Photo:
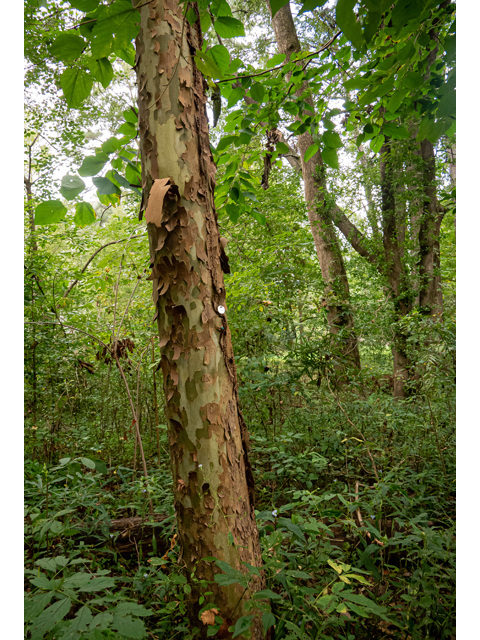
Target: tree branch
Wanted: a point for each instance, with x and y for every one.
(74, 282)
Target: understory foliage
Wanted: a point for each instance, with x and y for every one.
(355, 490)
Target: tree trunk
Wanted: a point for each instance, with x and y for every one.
(431, 301)
(337, 292)
(213, 482)
(395, 271)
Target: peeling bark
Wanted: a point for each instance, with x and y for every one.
(337, 294)
(213, 481)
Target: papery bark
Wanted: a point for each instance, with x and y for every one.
(213, 481)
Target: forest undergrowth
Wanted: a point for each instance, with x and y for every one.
(355, 503)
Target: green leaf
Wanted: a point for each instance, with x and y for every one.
(49, 618)
(85, 215)
(50, 212)
(47, 563)
(330, 157)
(396, 132)
(363, 601)
(87, 462)
(259, 217)
(205, 20)
(125, 608)
(76, 85)
(81, 621)
(127, 54)
(268, 620)
(207, 65)
(276, 60)
(257, 91)
(34, 605)
(71, 187)
(98, 584)
(119, 19)
(404, 11)
(227, 27)
(332, 139)
(102, 71)
(111, 145)
(276, 5)
(447, 105)
(294, 528)
(267, 593)
(310, 152)
(129, 627)
(377, 143)
(236, 95)
(310, 5)
(346, 20)
(282, 148)
(105, 186)
(233, 212)
(225, 142)
(84, 5)
(242, 625)
(77, 580)
(396, 100)
(67, 46)
(220, 8)
(221, 57)
(92, 165)
(127, 129)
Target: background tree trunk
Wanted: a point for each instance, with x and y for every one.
(213, 481)
(339, 313)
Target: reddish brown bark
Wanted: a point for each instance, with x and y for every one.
(213, 482)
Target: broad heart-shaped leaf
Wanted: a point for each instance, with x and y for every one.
(92, 165)
(220, 8)
(85, 214)
(310, 5)
(49, 618)
(276, 5)
(84, 5)
(207, 65)
(282, 148)
(236, 95)
(119, 19)
(67, 46)
(76, 85)
(50, 212)
(227, 27)
(330, 157)
(257, 91)
(128, 627)
(71, 187)
(242, 625)
(220, 56)
(310, 152)
(102, 71)
(404, 11)
(268, 620)
(233, 212)
(105, 186)
(346, 20)
(332, 139)
(126, 53)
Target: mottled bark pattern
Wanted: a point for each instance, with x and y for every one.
(339, 314)
(212, 476)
